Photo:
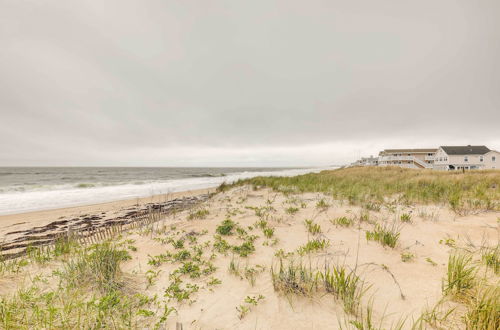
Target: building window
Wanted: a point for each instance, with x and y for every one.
(480, 158)
(493, 158)
(466, 159)
(446, 159)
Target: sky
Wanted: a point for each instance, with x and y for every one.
(244, 83)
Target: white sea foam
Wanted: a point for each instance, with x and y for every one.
(18, 202)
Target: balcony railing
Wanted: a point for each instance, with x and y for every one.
(412, 159)
(392, 158)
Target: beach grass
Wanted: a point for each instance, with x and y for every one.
(463, 192)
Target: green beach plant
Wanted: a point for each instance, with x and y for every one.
(387, 234)
(460, 274)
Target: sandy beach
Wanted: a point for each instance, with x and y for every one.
(213, 274)
(19, 231)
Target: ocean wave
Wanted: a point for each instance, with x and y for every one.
(66, 195)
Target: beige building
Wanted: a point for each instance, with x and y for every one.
(466, 158)
(409, 158)
(366, 161)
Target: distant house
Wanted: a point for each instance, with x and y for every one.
(409, 158)
(469, 157)
(366, 161)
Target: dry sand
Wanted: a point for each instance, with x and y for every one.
(399, 290)
(23, 221)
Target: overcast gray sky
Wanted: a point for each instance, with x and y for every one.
(206, 83)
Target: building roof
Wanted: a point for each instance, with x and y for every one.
(409, 150)
(465, 150)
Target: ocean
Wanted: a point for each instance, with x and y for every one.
(24, 189)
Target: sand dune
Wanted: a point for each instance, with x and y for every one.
(219, 289)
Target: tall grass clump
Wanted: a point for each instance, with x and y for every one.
(294, 278)
(345, 285)
(91, 295)
(460, 275)
(387, 235)
(483, 309)
(98, 268)
(491, 257)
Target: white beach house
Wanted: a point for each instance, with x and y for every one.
(409, 158)
(466, 158)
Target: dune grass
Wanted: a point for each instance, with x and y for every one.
(386, 234)
(460, 275)
(483, 310)
(342, 221)
(361, 185)
(491, 257)
(292, 277)
(91, 294)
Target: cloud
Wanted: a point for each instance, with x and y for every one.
(234, 82)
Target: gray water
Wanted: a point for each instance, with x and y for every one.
(37, 188)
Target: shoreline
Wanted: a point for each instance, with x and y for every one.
(39, 225)
(18, 202)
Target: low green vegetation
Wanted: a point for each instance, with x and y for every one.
(407, 257)
(291, 210)
(312, 227)
(342, 221)
(432, 262)
(250, 301)
(491, 257)
(198, 214)
(322, 204)
(226, 227)
(405, 217)
(387, 234)
(313, 246)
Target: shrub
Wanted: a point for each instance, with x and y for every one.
(226, 227)
(221, 245)
(245, 249)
